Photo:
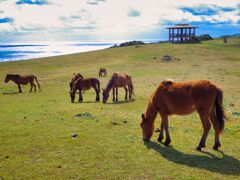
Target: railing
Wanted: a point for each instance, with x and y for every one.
(182, 35)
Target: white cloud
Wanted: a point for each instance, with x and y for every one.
(96, 19)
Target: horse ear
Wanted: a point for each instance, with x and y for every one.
(143, 117)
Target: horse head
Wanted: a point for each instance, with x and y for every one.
(105, 95)
(7, 78)
(147, 128)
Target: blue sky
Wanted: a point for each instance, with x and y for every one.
(76, 20)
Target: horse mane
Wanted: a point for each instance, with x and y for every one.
(75, 84)
(111, 81)
(13, 75)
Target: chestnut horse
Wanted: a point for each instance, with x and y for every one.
(85, 84)
(118, 80)
(102, 72)
(181, 99)
(23, 80)
(75, 77)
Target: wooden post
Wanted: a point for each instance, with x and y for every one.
(190, 36)
(181, 38)
(177, 35)
(169, 34)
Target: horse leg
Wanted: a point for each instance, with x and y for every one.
(97, 93)
(165, 126)
(80, 96)
(130, 92)
(116, 94)
(19, 88)
(206, 127)
(126, 90)
(161, 136)
(31, 87)
(215, 126)
(34, 86)
(113, 89)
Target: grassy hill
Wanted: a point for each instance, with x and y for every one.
(36, 128)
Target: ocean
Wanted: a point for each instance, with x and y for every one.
(25, 51)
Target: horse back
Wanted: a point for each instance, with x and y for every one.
(184, 97)
(88, 83)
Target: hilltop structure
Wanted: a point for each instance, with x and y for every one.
(182, 33)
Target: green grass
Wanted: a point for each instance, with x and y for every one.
(36, 128)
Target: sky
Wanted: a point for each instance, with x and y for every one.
(101, 20)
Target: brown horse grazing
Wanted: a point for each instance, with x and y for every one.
(181, 99)
(118, 80)
(75, 77)
(85, 84)
(102, 72)
(23, 80)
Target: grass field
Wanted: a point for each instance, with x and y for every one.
(36, 128)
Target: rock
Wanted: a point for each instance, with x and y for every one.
(125, 121)
(74, 135)
(7, 157)
(114, 123)
(231, 104)
(168, 58)
(85, 115)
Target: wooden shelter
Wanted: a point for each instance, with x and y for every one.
(182, 33)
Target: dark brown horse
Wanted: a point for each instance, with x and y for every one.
(181, 99)
(118, 80)
(22, 80)
(75, 77)
(85, 84)
(102, 72)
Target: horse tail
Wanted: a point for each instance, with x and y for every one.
(219, 110)
(131, 85)
(37, 83)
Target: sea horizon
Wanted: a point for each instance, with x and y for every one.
(17, 51)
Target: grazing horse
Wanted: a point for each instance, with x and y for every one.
(102, 72)
(118, 80)
(85, 84)
(181, 99)
(23, 80)
(75, 77)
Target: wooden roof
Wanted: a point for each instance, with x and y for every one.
(181, 26)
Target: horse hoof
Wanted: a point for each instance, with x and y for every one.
(215, 147)
(199, 148)
(160, 139)
(166, 143)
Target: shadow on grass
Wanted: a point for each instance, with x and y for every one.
(120, 102)
(87, 102)
(225, 165)
(9, 93)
